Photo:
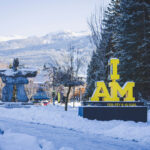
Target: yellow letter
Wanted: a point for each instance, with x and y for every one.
(127, 91)
(113, 69)
(58, 96)
(100, 91)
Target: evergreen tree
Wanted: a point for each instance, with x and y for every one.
(132, 42)
(125, 35)
(109, 31)
(91, 76)
(102, 37)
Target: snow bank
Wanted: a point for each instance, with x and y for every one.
(19, 141)
(56, 116)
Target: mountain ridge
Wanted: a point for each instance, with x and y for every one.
(36, 51)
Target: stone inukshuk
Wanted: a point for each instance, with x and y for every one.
(14, 80)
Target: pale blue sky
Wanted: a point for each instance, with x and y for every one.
(39, 17)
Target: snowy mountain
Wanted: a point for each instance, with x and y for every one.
(37, 51)
(13, 37)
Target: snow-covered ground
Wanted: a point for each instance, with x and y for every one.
(51, 128)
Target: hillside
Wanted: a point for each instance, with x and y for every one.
(37, 51)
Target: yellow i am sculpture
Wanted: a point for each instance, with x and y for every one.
(116, 91)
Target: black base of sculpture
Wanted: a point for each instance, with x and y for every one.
(105, 111)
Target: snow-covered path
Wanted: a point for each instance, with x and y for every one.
(67, 139)
(52, 128)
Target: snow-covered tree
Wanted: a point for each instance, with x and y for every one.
(102, 30)
(67, 74)
(68, 78)
(132, 42)
(109, 32)
(124, 33)
(91, 75)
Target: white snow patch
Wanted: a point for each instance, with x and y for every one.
(56, 116)
(19, 141)
(66, 148)
(14, 37)
(9, 72)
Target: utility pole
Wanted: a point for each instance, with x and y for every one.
(53, 92)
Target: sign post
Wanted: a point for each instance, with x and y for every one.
(111, 107)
